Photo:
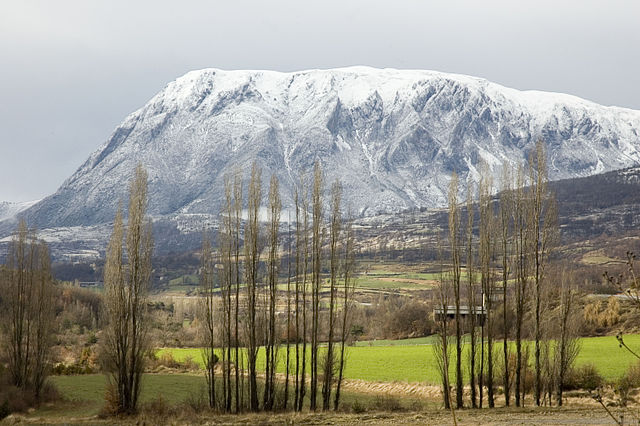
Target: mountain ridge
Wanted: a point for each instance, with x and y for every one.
(392, 136)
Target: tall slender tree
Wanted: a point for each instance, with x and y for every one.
(471, 298)
(441, 348)
(237, 222)
(228, 275)
(126, 294)
(567, 344)
(541, 221)
(347, 303)
(505, 224)
(298, 269)
(316, 280)
(207, 286)
(521, 242)
(252, 257)
(288, 332)
(454, 247)
(303, 239)
(275, 207)
(334, 261)
(486, 250)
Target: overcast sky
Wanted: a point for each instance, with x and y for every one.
(70, 71)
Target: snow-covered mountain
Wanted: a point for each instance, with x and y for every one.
(392, 137)
(9, 210)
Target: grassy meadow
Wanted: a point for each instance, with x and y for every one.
(413, 361)
(84, 394)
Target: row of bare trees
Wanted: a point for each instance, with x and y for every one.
(276, 301)
(509, 255)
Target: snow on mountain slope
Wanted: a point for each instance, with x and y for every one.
(393, 137)
(8, 209)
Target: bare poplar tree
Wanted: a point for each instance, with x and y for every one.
(471, 298)
(252, 257)
(298, 386)
(568, 343)
(275, 207)
(303, 240)
(505, 224)
(26, 310)
(126, 293)
(521, 243)
(486, 249)
(542, 226)
(237, 222)
(288, 332)
(441, 348)
(208, 317)
(316, 281)
(347, 302)
(43, 318)
(334, 261)
(226, 285)
(454, 247)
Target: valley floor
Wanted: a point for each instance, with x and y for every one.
(170, 398)
(572, 415)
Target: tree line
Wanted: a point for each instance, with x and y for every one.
(250, 312)
(509, 283)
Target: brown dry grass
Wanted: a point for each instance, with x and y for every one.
(573, 415)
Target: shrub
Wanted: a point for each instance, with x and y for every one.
(158, 407)
(111, 401)
(629, 381)
(357, 407)
(197, 401)
(585, 377)
(412, 319)
(189, 363)
(61, 369)
(167, 360)
(15, 400)
(387, 403)
(633, 375)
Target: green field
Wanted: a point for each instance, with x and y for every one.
(409, 360)
(83, 395)
(412, 360)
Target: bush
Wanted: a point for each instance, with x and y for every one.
(158, 408)
(357, 407)
(61, 369)
(387, 403)
(15, 400)
(166, 360)
(632, 376)
(412, 319)
(585, 377)
(629, 381)
(111, 401)
(197, 402)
